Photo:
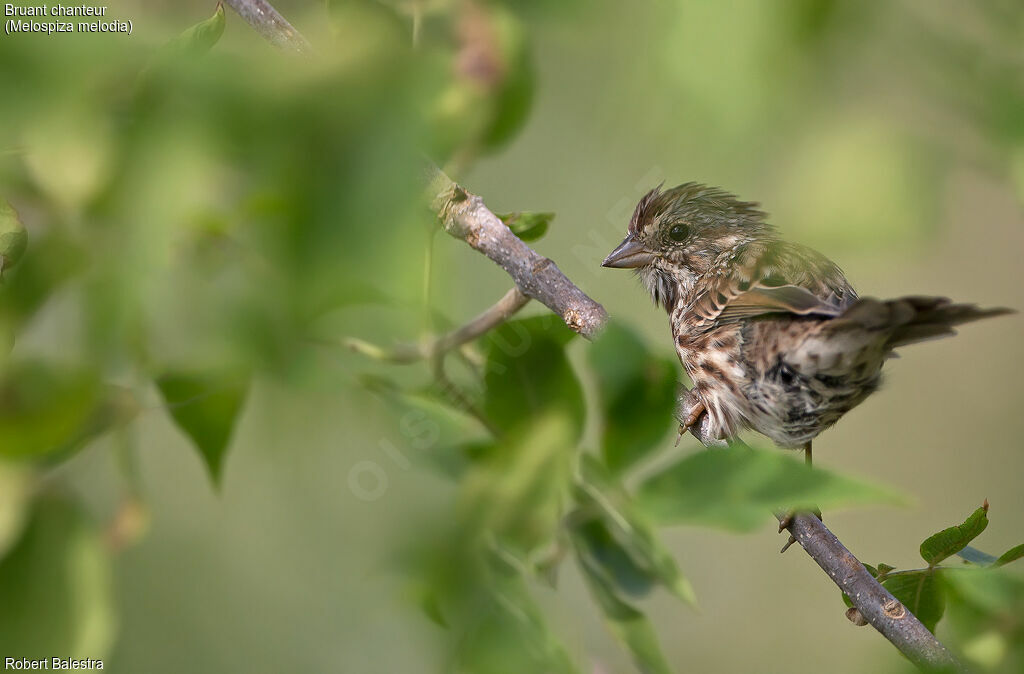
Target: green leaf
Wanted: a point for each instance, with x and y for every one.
(938, 547)
(17, 483)
(628, 533)
(52, 261)
(114, 407)
(508, 633)
(737, 488)
(205, 407)
(430, 604)
(201, 37)
(975, 556)
(606, 556)
(514, 495)
(465, 584)
(13, 237)
(528, 375)
(44, 408)
(637, 391)
(442, 434)
(628, 624)
(1011, 555)
(637, 633)
(57, 575)
(527, 225)
(922, 594)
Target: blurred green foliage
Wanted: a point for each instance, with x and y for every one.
(534, 495)
(984, 601)
(528, 375)
(56, 586)
(13, 237)
(195, 213)
(637, 388)
(733, 489)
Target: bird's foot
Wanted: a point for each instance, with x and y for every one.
(691, 417)
(689, 408)
(786, 521)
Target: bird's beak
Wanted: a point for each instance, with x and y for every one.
(629, 255)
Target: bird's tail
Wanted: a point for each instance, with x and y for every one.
(915, 319)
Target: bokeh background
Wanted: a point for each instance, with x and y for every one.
(890, 136)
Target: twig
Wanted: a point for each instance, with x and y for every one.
(465, 216)
(510, 303)
(274, 28)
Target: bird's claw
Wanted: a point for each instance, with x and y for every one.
(784, 524)
(690, 410)
(786, 521)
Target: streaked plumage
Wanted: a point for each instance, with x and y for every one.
(772, 335)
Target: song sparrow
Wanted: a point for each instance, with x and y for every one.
(771, 333)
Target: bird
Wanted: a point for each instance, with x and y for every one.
(773, 336)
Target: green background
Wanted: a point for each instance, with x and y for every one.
(889, 136)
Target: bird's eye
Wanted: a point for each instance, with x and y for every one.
(679, 232)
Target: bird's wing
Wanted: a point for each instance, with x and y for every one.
(772, 278)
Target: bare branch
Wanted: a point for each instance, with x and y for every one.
(465, 216)
(876, 604)
(274, 28)
(499, 312)
(510, 303)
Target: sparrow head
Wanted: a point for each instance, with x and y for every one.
(675, 236)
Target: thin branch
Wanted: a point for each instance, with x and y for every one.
(499, 312)
(876, 604)
(510, 303)
(274, 28)
(465, 217)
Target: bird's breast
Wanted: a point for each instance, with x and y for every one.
(712, 359)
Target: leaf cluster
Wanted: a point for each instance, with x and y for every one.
(984, 602)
